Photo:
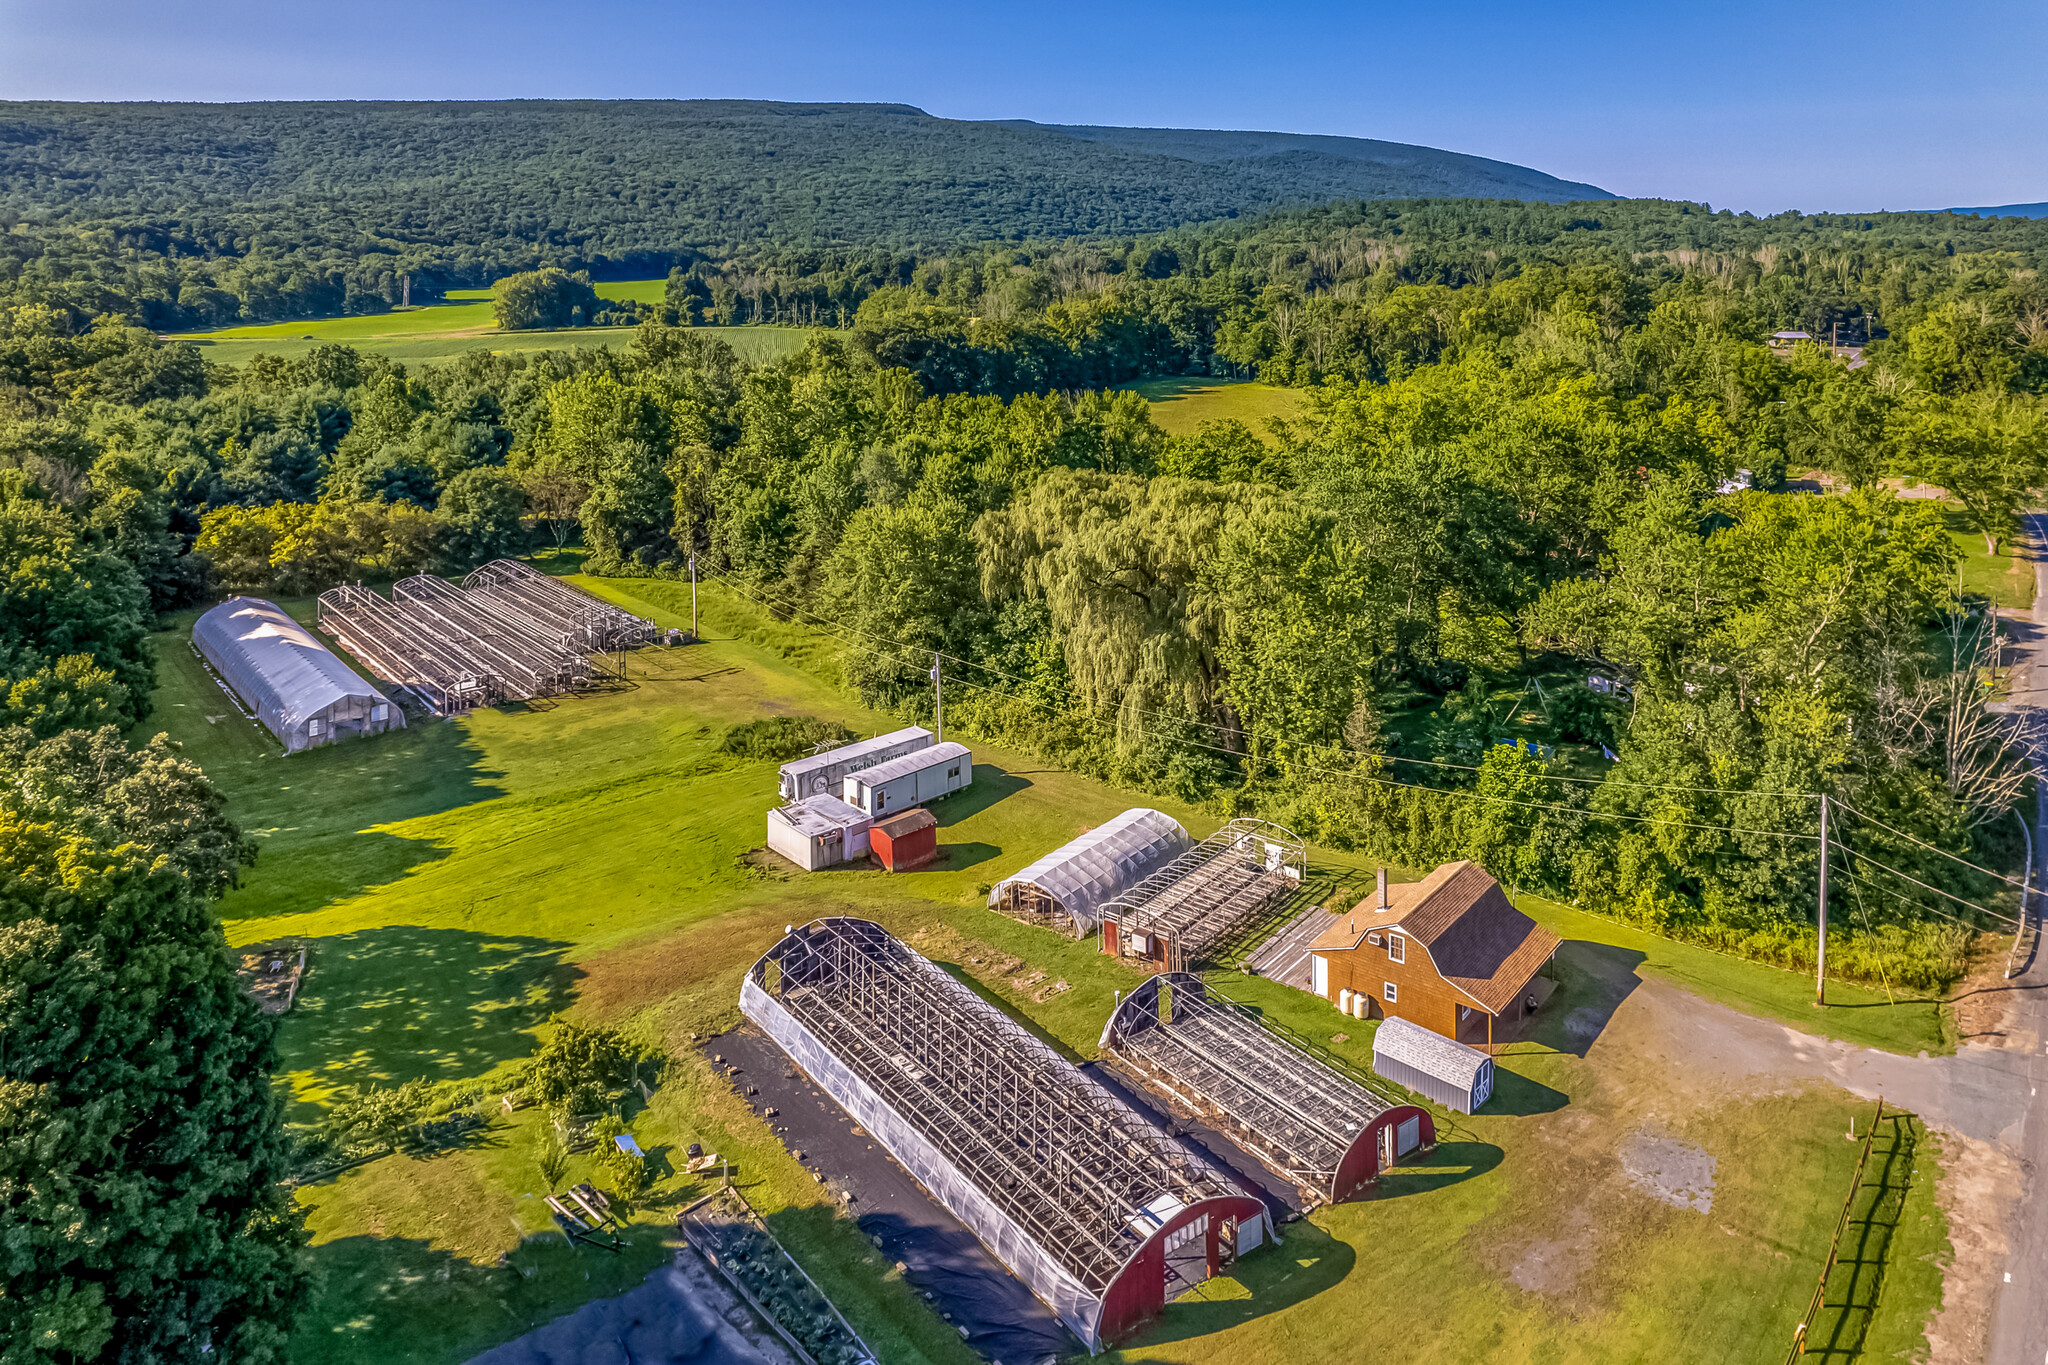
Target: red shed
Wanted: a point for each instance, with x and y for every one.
(906, 840)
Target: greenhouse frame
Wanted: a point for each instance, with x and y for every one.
(1297, 1107)
(1065, 889)
(1207, 898)
(299, 689)
(1101, 1213)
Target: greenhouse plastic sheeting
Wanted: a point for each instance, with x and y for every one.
(1106, 861)
(299, 688)
(1069, 1300)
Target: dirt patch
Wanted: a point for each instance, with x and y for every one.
(1985, 1003)
(1979, 1194)
(272, 973)
(1665, 1168)
(1554, 1266)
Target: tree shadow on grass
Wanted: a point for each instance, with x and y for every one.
(317, 814)
(379, 1299)
(388, 1005)
(991, 784)
(1271, 1278)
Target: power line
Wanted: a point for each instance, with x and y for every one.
(1935, 910)
(772, 602)
(1459, 793)
(1858, 853)
(1995, 876)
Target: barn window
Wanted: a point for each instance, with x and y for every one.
(1397, 949)
(1391, 991)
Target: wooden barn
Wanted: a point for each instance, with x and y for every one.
(1449, 952)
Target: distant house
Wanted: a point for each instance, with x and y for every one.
(1783, 342)
(1450, 953)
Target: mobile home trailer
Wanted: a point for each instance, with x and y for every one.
(822, 774)
(911, 780)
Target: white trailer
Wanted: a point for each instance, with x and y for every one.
(818, 831)
(822, 774)
(910, 780)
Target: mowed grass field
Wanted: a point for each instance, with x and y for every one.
(1181, 405)
(464, 322)
(463, 881)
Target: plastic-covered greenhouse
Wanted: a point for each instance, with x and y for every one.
(299, 688)
(1066, 888)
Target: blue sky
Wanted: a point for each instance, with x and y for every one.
(1747, 106)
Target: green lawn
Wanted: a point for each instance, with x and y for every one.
(462, 881)
(464, 322)
(2006, 578)
(1180, 406)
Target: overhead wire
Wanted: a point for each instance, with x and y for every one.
(772, 602)
(1840, 804)
(1458, 793)
(1982, 910)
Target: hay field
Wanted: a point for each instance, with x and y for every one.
(1181, 405)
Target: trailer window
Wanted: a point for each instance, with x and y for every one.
(953, 771)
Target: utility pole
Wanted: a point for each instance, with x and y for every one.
(693, 599)
(939, 699)
(1820, 974)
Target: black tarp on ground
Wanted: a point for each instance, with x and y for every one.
(682, 1314)
(1003, 1320)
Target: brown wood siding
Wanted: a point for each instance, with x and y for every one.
(1425, 998)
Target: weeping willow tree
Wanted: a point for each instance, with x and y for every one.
(1118, 562)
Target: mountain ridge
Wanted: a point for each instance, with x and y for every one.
(662, 174)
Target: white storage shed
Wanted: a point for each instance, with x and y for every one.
(818, 831)
(1454, 1075)
(823, 774)
(911, 780)
(297, 687)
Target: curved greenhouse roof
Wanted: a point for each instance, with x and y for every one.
(299, 688)
(1080, 875)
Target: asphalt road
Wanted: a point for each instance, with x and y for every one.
(2019, 1318)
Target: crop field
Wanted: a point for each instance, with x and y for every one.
(1180, 406)
(464, 322)
(462, 882)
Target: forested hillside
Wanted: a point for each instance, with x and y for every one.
(311, 208)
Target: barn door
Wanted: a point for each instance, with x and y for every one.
(1321, 976)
